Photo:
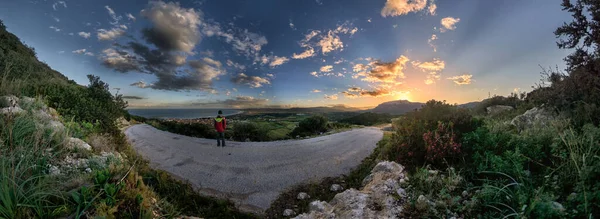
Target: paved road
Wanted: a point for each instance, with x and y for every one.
(252, 174)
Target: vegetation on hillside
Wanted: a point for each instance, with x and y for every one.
(33, 144)
(368, 119)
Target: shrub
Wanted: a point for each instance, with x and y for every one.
(442, 145)
(368, 119)
(310, 126)
(409, 146)
(247, 130)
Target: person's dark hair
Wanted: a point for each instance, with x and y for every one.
(220, 112)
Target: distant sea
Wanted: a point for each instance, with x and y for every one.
(180, 113)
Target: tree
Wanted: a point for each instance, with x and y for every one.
(583, 34)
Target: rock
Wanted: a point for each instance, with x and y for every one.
(434, 172)
(53, 170)
(497, 109)
(247, 140)
(422, 202)
(297, 136)
(377, 199)
(11, 110)
(73, 143)
(123, 122)
(318, 206)
(335, 187)
(465, 194)
(43, 115)
(56, 126)
(88, 170)
(288, 213)
(558, 207)
(302, 196)
(9, 101)
(534, 116)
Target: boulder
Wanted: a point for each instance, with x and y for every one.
(11, 110)
(302, 196)
(288, 213)
(9, 101)
(534, 116)
(377, 199)
(76, 143)
(497, 109)
(335, 187)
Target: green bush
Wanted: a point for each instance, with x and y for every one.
(310, 126)
(368, 119)
(409, 146)
(248, 130)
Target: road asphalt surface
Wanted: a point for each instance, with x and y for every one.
(252, 174)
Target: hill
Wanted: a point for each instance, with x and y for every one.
(397, 107)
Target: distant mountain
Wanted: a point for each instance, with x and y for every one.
(397, 107)
(469, 105)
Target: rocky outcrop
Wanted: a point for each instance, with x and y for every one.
(382, 196)
(76, 143)
(497, 109)
(533, 117)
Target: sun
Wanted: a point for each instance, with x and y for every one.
(402, 95)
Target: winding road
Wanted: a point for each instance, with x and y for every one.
(252, 174)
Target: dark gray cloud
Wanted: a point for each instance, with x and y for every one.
(252, 81)
(133, 97)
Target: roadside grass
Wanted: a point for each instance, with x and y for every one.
(321, 190)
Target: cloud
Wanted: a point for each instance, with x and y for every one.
(331, 97)
(235, 65)
(61, 52)
(56, 19)
(272, 60)
(339, 61)
(431, 42)
(84, 52)
(270, 75)
(120, 60)
(111, 34)
(435, 65)
(252, 81)
(449, 23)
(133, 97)
(55, 28)
(330, 42)
(140, 84)
(292, 25)
(433, 68)
(432, 7)
(385, 72)
(401, 7)
(310, 52)
(327, 68)
(432, 77)
(354, 92)
(85, 34)
(315, 91)
(243, 42)
(462, 79)
(314, 73)
(174, 28)
(56, 4)
(130, 16)
(113, 15)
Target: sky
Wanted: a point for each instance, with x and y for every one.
(273, 53)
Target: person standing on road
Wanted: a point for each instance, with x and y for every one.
(220, 125)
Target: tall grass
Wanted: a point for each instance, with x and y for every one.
(26, 191)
